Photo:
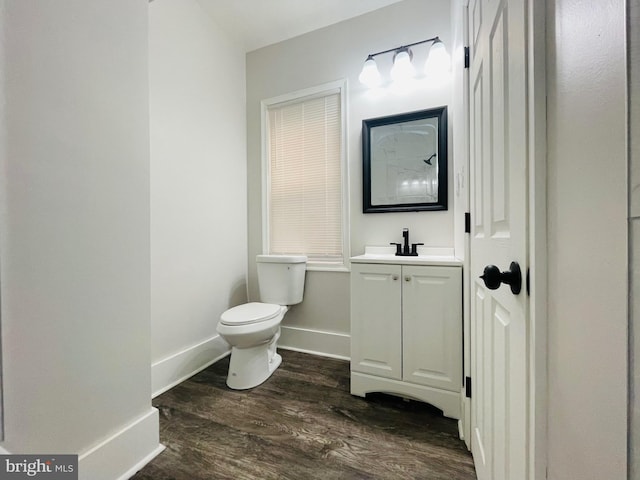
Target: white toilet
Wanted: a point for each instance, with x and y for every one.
(253, 329)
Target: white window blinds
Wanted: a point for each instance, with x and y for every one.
(305, 178)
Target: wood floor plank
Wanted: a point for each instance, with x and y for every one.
(301, 424)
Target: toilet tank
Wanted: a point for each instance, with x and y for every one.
(281, 278)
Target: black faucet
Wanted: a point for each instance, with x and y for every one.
(405, 236)
(406, 252)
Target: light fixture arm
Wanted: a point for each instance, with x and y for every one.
(404, 47)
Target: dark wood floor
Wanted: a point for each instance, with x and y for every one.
(301, 424)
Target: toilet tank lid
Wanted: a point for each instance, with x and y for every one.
(281, 258)
(250, 313)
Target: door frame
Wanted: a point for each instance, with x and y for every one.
(537, 222)
(537, 92)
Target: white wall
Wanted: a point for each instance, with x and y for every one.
(587, 240)
(328, 54)
(75, 234)
(198, 186)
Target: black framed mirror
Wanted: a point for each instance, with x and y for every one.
(405, 162)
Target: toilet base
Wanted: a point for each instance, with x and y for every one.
(249, 367)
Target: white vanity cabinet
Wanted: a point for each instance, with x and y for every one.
(406, 332)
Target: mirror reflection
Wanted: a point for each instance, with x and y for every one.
(404, 167)
(405, 162)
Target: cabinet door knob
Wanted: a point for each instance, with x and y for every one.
(394, 277)
(407, 278)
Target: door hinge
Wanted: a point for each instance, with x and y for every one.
(467, 222)
(467, 386)
(466, 57)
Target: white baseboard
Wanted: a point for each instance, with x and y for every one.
(316, 342)
(138, 466)
(124, 453)
(176, 368)
(170, 371)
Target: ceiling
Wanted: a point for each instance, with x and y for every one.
(258, 23)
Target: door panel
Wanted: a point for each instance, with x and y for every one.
(477, 146)
(500, 320)
(498, 162)
(499, 167)
(376, 324)
(482, 399)
(475, 20)
(432, 326)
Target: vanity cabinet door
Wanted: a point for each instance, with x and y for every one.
(376, 324)
(432, 326)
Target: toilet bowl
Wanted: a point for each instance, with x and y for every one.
(253, 329)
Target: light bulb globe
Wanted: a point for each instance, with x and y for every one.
(402, 68)
(370, 76)
(439, 61)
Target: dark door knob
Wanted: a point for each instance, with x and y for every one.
(493, 277)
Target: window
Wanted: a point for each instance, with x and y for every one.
(305, 176)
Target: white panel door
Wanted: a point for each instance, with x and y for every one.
(432, 326)
(376, 322)
(498, 144)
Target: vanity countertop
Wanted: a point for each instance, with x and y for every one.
(426, 256)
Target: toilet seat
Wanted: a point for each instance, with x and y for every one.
(249, 313)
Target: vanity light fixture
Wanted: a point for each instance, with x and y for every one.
(438, 61)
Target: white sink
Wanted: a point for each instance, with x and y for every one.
(426, 256)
